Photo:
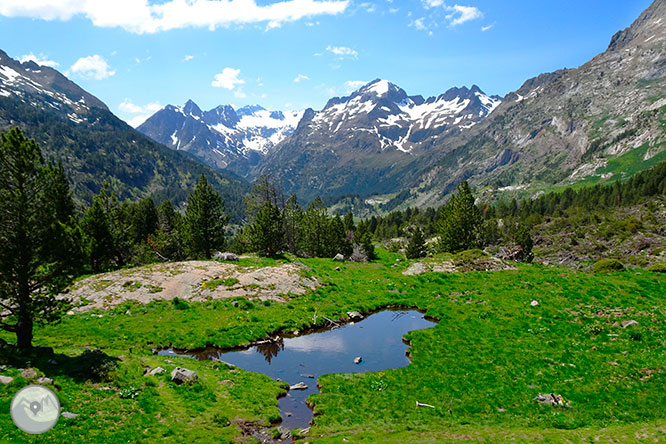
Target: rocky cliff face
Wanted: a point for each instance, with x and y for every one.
(598, 122)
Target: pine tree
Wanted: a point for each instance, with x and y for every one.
(416, 247)
(167, 241)
(143, 220)
(459, 221)
(348, 222)
(32, 272)
(265, 235)
(293, 220)
(204, 221)
(337, 242)
(523, 239)
(98, 240)
(315, 226)
(363, 239)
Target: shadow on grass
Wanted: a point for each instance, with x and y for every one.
(91, 365)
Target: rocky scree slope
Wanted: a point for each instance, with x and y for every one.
(600, 122)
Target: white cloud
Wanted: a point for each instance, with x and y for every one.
(227, 79)
(418, 24)
(40, 60)
(91, 67)
(150, 16)
(142, 112)
(369, 7)
(432, 3)
(301, 77)
(239, 93)
(187, 58)
(342, 51)
(462, 14)
(487, 28)
(353, 85)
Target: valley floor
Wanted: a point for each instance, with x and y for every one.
(491, 353)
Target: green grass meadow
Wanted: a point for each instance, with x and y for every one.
(491, 353)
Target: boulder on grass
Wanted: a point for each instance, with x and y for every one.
(156, 371)
(339, 258)
(225, 257)
(181, 375)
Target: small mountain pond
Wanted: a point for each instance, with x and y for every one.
(377, 340)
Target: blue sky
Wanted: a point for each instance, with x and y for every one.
(138, 55)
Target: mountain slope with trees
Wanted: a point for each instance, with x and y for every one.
(95, 147)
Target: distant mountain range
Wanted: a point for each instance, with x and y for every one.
(222, 137)
(378, 148)
(596, 123)
(77, 129)
(379, 118)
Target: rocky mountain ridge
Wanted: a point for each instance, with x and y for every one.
(222, 137)
(374, 140)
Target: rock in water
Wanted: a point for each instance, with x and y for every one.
(357, 360)
(180, 375)
(299, 386)
(354, 315)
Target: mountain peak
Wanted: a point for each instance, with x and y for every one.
(192, 108)
(379, 87)
(249, 110)
(650, 26)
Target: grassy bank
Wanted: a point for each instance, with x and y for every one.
(480, 367)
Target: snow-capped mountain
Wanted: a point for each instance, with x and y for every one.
(223, 137)
(44, 87)
(399, 121)
(375, 140)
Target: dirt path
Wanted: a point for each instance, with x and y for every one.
(191, 281)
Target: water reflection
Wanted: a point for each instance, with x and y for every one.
(270, 349)
(377, 339)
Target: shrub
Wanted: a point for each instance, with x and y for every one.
(659, 267)
(607, 266)
(95, 365)
(179, 304)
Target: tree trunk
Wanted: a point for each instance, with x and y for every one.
(24, 333)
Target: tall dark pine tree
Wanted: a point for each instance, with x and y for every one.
(416, 247)
(315, 229)
(459, 221)
(293, 220)
(203, 224)
(265, 235)
(98, 238)
(266, 232)
(32, 271)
